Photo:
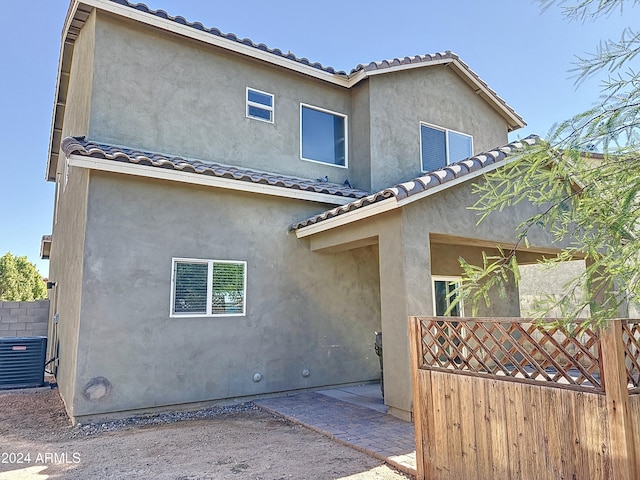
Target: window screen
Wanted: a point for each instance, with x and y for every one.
(434, 149)
(208, 287)
(190, 288)
(227, 291)
(441, 147)
(459, 146)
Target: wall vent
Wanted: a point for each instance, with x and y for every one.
(22, 362)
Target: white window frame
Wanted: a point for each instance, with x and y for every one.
(444, 278)
(261, 106)
(209, 305)
(446, 142)
(455, 279)
(346, 135)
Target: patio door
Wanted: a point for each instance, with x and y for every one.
(444, 296)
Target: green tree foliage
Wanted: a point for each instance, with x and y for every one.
(586, 180)
(20, 280)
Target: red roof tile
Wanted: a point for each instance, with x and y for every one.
(427, 181)
(81, 146)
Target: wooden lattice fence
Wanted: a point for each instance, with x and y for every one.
(508, 398)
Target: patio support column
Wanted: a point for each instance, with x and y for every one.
(393, 309)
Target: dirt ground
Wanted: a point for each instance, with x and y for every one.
(37, 441)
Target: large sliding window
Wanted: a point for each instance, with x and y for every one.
(323, 136)
(208, 288)
(440, 147)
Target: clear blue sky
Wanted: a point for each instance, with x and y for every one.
(522, 53)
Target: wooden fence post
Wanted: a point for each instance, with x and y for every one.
(614, 377)
(415, 345)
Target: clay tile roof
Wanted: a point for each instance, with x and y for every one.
(81, 146)
(434, 58)
(427, 181)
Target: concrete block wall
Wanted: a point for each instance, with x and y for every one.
(24, 319)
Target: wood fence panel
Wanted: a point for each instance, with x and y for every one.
(498, 428)
(552, 453)
(468, 416)
(566, 413)
(482, 415)
(583, 432)
(513, 427)
(502, 431)
(483, 427)
(439, 437)
(634, 406)
(614, 374)
(453, 420)
(537, 434)
(422, 403)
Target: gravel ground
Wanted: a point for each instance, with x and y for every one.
(160, 419)
(37, 441)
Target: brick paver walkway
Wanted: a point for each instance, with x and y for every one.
(378, 434)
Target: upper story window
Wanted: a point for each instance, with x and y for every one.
(208, 288)
(260, 105)
(323, 136)
(440, 147)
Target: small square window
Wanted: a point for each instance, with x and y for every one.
(208, 288)
(323, 136)
(440, 147)
(260, 105)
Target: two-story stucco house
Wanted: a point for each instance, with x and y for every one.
(233, 221)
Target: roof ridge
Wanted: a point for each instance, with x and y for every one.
(407, 60)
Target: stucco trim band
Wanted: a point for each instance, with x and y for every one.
(198, 179)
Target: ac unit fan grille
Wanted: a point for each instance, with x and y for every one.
(22, 362)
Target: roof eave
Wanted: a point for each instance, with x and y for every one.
(112, 166)
(76, 16)
(514, 121)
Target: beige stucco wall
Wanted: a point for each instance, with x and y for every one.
(144, 88)
(156, 91)
(436, 95)
(360, 164)
(185, 98)
(409, 257)
(67, 248)
(304, 310)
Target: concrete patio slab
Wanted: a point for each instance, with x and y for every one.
(351, 416)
